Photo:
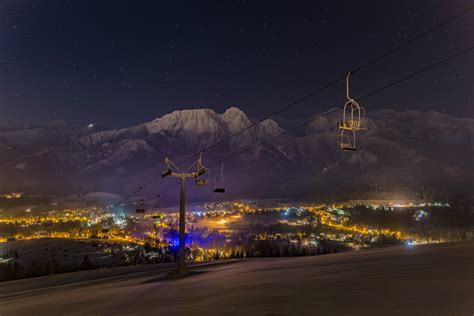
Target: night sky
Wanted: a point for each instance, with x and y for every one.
(118, 63)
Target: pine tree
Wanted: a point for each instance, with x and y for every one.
(293, 250)
(86, 263)
(277, 251)
(269, 250)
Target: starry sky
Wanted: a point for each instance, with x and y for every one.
(118, 63)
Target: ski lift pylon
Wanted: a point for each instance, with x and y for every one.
(218, 185)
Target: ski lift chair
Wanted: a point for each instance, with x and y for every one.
(202, 176)
(346, 142)
(157, 203)
(141, 207)
(353, 117)
(218, 185)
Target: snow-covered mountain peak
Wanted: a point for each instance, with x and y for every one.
(197, 121)
(206, 126)
(235, 119)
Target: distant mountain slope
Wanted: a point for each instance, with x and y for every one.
(411, 154)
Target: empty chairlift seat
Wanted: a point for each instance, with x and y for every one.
(218, 185)
(347, 142)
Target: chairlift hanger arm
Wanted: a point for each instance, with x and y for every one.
(347, 86)
(200, 168)
(171, 165)
(222, 169)
(194, 165)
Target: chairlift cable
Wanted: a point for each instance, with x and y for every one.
(335, 109)
(309, 95)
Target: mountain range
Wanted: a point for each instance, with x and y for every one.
(411, 154)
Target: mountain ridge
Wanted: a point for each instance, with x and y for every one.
(412, 151)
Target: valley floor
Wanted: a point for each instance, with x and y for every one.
(433, 279)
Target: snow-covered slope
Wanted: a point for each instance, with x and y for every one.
(431, 279)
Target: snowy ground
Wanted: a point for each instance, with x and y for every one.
(422, 280)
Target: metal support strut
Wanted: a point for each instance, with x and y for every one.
(182, 228)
